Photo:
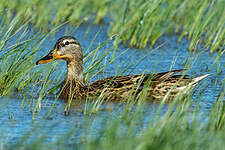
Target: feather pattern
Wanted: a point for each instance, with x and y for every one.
(121, 87)
(157, 85)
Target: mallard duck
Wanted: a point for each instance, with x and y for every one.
(116, 87)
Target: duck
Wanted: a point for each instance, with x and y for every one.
(115, 88)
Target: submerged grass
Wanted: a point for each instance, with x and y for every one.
(138, 23)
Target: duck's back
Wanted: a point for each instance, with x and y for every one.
(115, 88)
(125, 87)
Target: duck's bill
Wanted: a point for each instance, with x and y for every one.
(48, 58)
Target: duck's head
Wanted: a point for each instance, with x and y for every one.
(66, 48)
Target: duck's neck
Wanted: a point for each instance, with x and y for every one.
(75, 73)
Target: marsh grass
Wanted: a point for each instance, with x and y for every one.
(97, 66)
(19, 74)
(15, 60)
(138, 23)
(180, 123)
(169, 129)
(145, 21)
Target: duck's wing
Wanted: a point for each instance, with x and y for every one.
(116, 82)
(130, 80)
(118, 87)
(115, 88)
(166, 75)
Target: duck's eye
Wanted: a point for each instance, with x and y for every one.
(67, 43)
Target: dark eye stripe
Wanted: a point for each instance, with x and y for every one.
(67, 43)
(74, 43)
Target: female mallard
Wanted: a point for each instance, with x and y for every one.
(113, 88)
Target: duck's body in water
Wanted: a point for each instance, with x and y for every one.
(118, 87)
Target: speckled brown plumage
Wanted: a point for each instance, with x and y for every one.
(114, 88)
(124, 87)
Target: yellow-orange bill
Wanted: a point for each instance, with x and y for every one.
(46, 59)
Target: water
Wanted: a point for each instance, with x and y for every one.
(16, 122)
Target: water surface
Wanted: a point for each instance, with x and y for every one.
(16, 122)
